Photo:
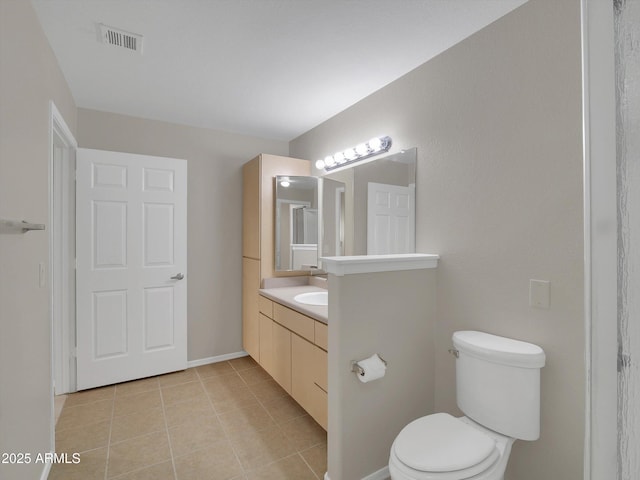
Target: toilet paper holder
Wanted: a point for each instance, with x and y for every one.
(357, 369)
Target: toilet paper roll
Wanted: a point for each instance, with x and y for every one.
(373, 368)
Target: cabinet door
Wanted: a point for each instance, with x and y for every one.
(266, 343)
(250, 319)
(305, 371)
(282, 356)
(320, 366)
(302, 371)
(319, 407)
(251, 209)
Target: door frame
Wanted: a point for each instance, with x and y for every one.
(60, 299)
(339, 207)
(600, 240)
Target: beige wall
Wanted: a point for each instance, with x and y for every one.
(29, 79)
(497, 124)
(364, 418)
(214, 213)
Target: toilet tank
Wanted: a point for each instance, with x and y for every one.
(498, 383)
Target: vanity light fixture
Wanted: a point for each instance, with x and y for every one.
(375, 146)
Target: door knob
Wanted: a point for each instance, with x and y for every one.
(177, 277)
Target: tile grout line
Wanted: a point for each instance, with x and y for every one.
(297, 452)
(279, 424)
(226, 430)
(139, 469)
(166, 429)
(307, 463)
(113, 412)
(262, 404)
(215, 411)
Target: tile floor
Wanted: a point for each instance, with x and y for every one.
(227, 420)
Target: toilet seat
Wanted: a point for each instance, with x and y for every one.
(442, 447)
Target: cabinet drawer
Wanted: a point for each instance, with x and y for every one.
(265, 306)
(294, 321)
(321, 335)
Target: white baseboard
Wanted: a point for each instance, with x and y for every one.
(45, 471)
(216, 359)
(382, 474)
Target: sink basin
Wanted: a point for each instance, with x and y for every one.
(313, 298)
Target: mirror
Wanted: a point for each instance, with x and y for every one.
(367, 209)
(379, 204)
(332, 218)
(308, 209)
(296, 223)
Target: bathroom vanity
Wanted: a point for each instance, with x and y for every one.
(288, 339)
(293, 346)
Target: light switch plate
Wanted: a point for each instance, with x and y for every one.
(539, 293)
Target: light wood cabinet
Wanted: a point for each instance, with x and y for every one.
(318, 407)
(282, 339)
(321, 370)
(321, 335)
(265, 306)
(266, 343)
(294, 321)
(258, 234)
(275, 346)
(292, 352)
(306, 372)
(251, 210)
(250, 319)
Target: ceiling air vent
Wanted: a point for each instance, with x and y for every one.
(121, 38)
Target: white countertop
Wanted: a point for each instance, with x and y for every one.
(354, 264)
(284, 296)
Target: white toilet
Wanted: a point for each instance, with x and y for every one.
(498, 389)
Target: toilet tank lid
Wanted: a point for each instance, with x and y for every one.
(499, 349)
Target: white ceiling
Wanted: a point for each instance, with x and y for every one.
(269, 68)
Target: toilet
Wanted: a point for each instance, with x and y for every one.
(498, 390)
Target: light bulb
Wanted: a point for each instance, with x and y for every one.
(319, 164)
(329, 161)
(339, 157)
(285, 183)
(350, 154)
(375, 144)
(362, 149)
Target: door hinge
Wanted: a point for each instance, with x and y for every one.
(75, 264)
(624, 361)
(74, 352)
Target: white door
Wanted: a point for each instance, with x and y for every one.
(390, 219)
(131, 294)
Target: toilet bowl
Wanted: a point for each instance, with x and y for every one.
(443, 447)
(498, 390)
